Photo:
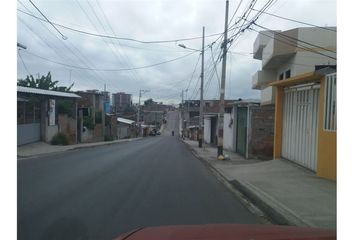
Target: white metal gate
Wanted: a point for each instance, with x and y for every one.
(300, 122)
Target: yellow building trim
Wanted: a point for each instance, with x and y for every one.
(327, 143)
(302, 78)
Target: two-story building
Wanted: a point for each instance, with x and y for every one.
(298, 75)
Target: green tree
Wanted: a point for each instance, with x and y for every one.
(44, 82)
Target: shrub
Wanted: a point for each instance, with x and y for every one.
(66, 107)
(88, 122)
(60, 139)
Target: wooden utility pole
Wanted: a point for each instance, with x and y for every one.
(201, 104)
(222, 89)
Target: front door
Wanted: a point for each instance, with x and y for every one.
(300, 123)
(241, 138)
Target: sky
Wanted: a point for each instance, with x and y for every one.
(92, 62)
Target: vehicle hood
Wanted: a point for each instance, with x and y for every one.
(228, 232)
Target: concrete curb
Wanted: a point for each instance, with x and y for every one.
(276, 211)
(89, 145)
(265, 205)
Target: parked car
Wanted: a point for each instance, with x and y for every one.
(158, 133)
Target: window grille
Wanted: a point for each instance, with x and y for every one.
(330, 111)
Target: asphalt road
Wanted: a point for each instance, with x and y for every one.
(102, 192)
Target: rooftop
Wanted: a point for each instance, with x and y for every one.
(46, 92)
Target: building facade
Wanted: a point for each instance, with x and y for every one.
(120, 101)
(299, 76)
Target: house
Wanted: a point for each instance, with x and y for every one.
(300, 79)
(41, 114)
(91, 116)
(126, 128)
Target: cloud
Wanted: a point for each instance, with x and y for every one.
(148, 20)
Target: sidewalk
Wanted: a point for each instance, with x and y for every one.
(39, 148)
(289, 194)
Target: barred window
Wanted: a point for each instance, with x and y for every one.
(330, 111)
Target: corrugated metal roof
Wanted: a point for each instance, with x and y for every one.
(46, 92)
(124, 120)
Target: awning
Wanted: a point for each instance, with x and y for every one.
(302, 78)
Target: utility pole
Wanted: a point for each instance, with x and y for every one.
(138, 115)
(182, 115)
(201, 103)
(222, 89)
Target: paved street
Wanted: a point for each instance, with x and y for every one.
(101, 192)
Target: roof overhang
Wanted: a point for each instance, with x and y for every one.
(126, 121)
(38, 91)
(299, 79)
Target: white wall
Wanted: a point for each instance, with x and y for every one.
(228, 132)
(267, 95)
(206, 133)
(51, 131)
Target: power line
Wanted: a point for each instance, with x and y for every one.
(64, 37)
(126, 60)
(81, 58)
(238, 6)
(294, 39)
(297, 21)
(193, 72)
(92, 23)
(216, 71)
(294, 45)
(119, 38)
(110, 70)
(23, 63)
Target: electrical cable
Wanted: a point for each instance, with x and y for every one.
(110, 70)
(294, 39)
(294, 45)
(81, 58)
(62, 35)
(23, 62)
(121, 38)
(297, 21)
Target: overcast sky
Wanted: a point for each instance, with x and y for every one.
(150, 20)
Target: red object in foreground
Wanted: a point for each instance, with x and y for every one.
(228, 232)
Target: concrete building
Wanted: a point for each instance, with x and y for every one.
(299, 77)
(121, 101)
(91, 116)
(285, 54)
(40, 118)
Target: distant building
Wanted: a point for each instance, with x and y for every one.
(121, 101)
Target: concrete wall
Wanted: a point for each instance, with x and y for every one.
(122, 132)
(68, 126)
(207, 130)
(87, 136)
(268, 96)
(51, 132)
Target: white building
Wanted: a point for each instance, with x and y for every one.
(285, 54)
